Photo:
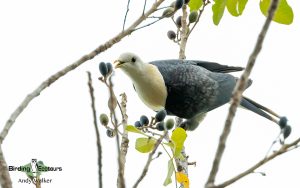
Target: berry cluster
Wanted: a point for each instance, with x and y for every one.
(169, 13)
(156, 123)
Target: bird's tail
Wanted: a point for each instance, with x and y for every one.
(266, 113)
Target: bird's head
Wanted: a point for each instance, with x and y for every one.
(130, 63)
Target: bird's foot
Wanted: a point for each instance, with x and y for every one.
(189, 125)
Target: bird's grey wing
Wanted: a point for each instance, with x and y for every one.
(216, 67)
(211, 66)
(193, 89)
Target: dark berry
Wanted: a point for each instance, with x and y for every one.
(283, 122)
(110, 132)
(103, 69)
(193, 16)
(178, 21)
(104, 119)
(137, 124)
(160, 126)
(178, 4)
(144, 120)
(186, 1)
(171, 35)
(170, 124)
(160, 115)
(109, 68)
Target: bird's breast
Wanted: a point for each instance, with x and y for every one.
(151, 89)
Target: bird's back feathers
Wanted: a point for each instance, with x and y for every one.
(194, 86)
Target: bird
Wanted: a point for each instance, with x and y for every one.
(187, 88)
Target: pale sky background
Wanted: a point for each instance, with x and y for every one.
(38, 38)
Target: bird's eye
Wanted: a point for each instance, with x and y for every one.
(133, 59)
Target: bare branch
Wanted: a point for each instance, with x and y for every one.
(99, 147)
(5, 180)
(237, 95)
(73, 66)
(127, 10)
(284, 149)
(183, 33)
(150, 158)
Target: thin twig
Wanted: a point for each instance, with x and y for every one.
(205, 3)
(144, 7)
(284, 149)
(237, 95)
(127, 10)
(63, 72)
(5, 180)
(158, 19)
(99, 147)
(150, 158)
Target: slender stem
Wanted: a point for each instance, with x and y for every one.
(125, 17)
(158, 19)
(99, 147)
(237, 95)
(205, 3)
(150, 158)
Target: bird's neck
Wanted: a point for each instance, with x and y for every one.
(150, 87)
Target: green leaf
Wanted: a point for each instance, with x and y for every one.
(284, 13)
(144, 145)
(195, 4)
(178, 137)
(218, 10)
(236, 7)
(171, 170)
(131, 128)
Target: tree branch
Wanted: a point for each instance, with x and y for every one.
(237, 95)
(5, 180)
(112, 104)
(73, 66)
(124, 141)
(284, 149)
(183, 33)
(99, 147)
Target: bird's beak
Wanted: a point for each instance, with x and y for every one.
(118, 64)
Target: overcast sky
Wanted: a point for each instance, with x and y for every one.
(39, 38)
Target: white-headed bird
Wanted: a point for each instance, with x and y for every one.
(186, 88)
